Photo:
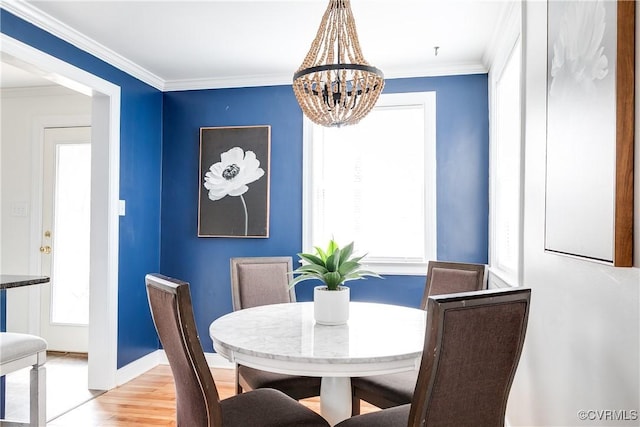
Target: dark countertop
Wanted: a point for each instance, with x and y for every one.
(15, 281)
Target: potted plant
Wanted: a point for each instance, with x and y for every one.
(333, 267)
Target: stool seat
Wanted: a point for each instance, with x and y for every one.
(14, 346)
(18, 351)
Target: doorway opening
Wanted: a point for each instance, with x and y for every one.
(105, 137)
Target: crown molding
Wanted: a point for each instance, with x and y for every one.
(35, 16)
(508, 27)
(229, 82)
(448, 69)
(282, 79)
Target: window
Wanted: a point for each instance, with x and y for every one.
(506, 170)
(375, 184)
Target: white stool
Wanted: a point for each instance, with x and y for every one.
(18, 351)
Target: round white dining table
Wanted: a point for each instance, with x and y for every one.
(284, 338)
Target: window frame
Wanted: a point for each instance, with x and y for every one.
(512, 42)
(388, 266)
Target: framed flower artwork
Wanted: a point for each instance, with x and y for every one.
(234, 181)
(590, 116)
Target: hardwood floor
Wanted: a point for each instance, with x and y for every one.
(148, 400)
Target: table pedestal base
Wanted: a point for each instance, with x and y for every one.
(335, 399)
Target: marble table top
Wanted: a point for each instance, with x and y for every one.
(379, 338)
(15, 281)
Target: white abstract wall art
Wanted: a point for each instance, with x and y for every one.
(589, 85)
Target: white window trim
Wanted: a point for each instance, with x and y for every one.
(385, 266)
(510, 40)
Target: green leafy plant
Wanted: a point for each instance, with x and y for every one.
(332, 266)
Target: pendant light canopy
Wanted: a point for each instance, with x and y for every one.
(335, 85)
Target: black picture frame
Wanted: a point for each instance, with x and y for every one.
(222, 211)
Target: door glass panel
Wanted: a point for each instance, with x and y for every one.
(70, 289)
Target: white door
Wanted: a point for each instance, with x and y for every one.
(66, 203)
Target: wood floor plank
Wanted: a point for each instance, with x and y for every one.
(149, 401)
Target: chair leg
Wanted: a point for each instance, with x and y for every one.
(38, 392)
(238, 386)
(355, 405)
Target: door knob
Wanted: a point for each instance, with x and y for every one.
(45, 249)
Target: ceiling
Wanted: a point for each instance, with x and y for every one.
(15, 77)
(175, 45)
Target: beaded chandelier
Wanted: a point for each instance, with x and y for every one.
(335, 85)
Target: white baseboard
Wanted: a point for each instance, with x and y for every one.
(137, 367)
(214, 360)
(158, 357)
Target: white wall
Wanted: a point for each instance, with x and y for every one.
(582, 346)
(22, 111)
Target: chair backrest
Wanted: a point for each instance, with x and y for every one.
(197, 401)
(453, 277)
(472, 347)
(260, 281)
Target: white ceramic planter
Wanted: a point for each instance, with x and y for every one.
(331, 307)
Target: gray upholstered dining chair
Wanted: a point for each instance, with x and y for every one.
(472, 347)
(385, 391)
(445, 277)
(197, 400)
(259, 281)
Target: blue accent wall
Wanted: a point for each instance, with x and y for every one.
(140, 183)
(462, 187)
(159, 150)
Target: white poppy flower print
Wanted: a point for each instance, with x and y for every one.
(578, 59)
(231, 175)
